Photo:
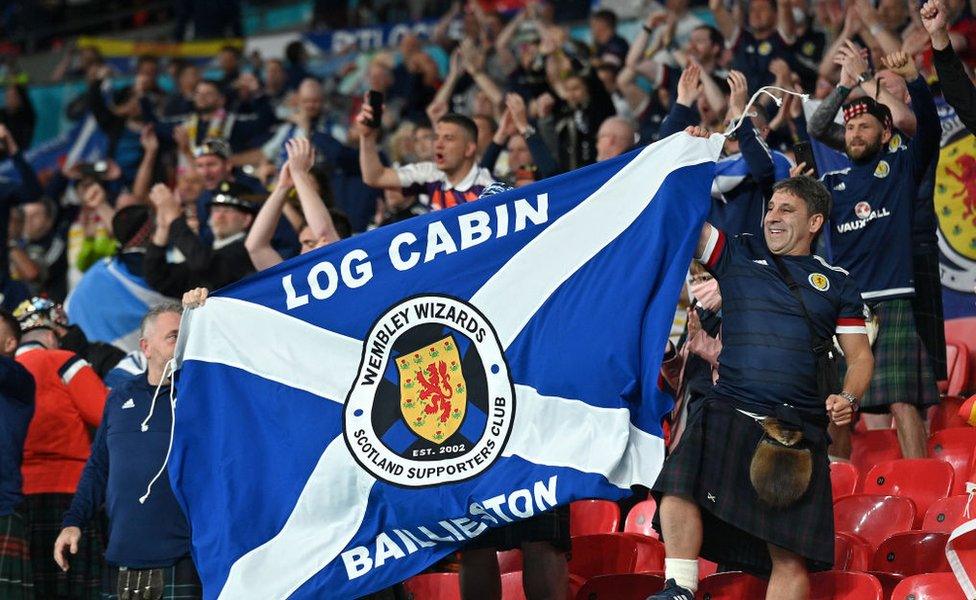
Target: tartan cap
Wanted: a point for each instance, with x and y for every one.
(868, 106)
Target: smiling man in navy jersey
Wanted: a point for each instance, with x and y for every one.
(779, 301)
(870, 235)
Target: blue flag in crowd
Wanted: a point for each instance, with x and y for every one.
(349, 417)
(109, 303)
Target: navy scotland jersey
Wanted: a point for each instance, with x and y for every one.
(870, 233)
(767, 357)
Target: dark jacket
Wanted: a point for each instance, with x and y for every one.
(123, 461)
(16, 410)
(204, 266)
(958, 90)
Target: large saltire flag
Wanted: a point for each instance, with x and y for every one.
(349, 417)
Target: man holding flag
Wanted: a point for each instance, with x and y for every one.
(748, 485)
(395, 395)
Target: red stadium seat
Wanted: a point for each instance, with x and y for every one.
(626, 586)
(843, 479)
(930, 586)
(957, 366)
(443, 586)
(512, 587)
(650, 553)
(924, 480)
(851, 553)
(962, 332)
(603, 554)
(640, 517)
(912, 553)
(873, 518)
(871, 447)
(945, 415)
(946, 514)
(731, 586)
(957, 447)
(587, 517)
(706, 568)
(839, 585)
(889, 581)
(509, 561)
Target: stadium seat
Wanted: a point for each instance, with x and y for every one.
(945, 415)
(924, 480)
(603, 554)
(509, 561)
(930, 586)
(851, 553)
(962, 332)
(706, 568)
(443, 586)
(840, 585)
(912, 553)
(946, 514)
(873, 518)
(957, 447)
(843, 479)
(640, 517)
(650, 553)
(889, 581)
(512, 587)
(957, 366)
(587, 517)
(731, 586)
(625, 586)
(868, 448)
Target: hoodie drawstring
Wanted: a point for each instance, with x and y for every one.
(168, 370)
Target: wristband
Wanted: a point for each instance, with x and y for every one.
(864, 77)
(647, 29)
(875, 28)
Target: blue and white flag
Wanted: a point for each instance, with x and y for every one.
(347, 418)
(109, 303)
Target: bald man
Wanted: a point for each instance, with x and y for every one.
(615, 136)
(309, 119)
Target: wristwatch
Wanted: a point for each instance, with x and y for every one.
(852, 399)
(864, 77)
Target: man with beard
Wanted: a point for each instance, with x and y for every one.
(870, 235)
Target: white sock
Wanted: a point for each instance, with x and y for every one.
(683, 571)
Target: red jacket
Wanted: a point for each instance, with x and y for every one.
(69, 403)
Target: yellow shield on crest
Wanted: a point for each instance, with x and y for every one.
(433, 393)
(955, 196)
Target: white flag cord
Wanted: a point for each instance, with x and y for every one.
(755, 97)
(168, 369)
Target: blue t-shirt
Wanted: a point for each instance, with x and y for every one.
(767, 357)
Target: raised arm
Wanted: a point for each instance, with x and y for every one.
(957, 88)
(682, 115)
(925, 145)
(375, 174)
(758, 160)
(144, 176)
(723, 19)
(301, 157)
(258, 241)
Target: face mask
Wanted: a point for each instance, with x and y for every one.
(707, 293)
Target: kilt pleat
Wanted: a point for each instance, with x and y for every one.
(16, 577)
(902, 372)
(83, 581)
(711, 466)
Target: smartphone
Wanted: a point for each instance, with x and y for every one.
(803, 152)
(375, 100)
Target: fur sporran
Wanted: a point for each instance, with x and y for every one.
(781, 470)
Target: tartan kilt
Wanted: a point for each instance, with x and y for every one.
(927, 309)
(902, 372)
(16, 577)
(83, 581)
(550, 526)
(180, 582)
(711, 466)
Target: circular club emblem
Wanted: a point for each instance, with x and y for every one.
(765, 48)
(809, 48)
(819, 281)
(862, 210)
(433, 401)
(882, 170)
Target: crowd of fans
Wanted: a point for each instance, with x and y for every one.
(195, 181)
